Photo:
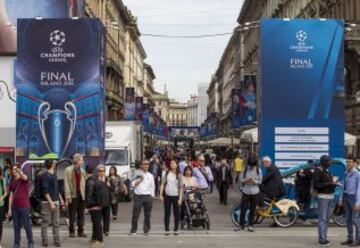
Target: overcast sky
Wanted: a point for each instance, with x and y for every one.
(183, 63)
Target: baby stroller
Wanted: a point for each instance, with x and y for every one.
(196, 214)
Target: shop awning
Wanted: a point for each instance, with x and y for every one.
(222, 141)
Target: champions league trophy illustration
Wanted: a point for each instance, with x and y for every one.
(57, 126)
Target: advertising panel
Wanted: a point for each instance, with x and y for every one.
(145, 117)
(139, 108)
(11, 10)
(129, 104)
(60, 100)
(203, 130)
(301, 115)
(244, 103)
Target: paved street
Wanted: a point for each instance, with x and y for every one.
(221, 234)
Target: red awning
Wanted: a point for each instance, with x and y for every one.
(7, 149)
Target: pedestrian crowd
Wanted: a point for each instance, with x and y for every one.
(167, 177)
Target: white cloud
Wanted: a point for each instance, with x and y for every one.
(183, 63)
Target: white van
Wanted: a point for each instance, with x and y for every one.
(123, 146)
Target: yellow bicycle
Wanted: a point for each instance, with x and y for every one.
(284, 212)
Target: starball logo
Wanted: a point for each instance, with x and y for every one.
(57, 39)
(301, 46)
(301, 36)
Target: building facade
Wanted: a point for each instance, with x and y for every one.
(203, 100)
(177, 114)
(161, 105)
(149, 91)
(349, 10)
(134, 59)
(213, 95)
(115, 17)
(192, 111)
(125, 55)
(227, 77)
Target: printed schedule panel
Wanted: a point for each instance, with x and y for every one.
(301, 90)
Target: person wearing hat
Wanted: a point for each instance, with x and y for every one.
(324, 184)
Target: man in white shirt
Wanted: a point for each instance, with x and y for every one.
(144, 191)
(205, 170)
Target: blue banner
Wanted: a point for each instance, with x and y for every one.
(145, 118)
(244, 103)
(130, 104)
(209, 129)
(60, 92)
(301, 105)
(152, 122)
(139, 108)
(203, 130)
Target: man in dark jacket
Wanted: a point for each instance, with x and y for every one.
(105, 189)
(324, 183)
(94, 202)
(272, 185)
(223, 180)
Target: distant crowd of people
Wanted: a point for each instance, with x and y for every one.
(166, 176)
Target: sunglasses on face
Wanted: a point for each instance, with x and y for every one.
(101, 171)
(145, 163)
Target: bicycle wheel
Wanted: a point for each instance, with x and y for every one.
(287, 220)
(339, 216)
(236, 212)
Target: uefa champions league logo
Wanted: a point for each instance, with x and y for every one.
(57, 39)
(301, 36)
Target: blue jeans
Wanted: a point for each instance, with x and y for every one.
(324, 209)
(352, 217)
(21, 217)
